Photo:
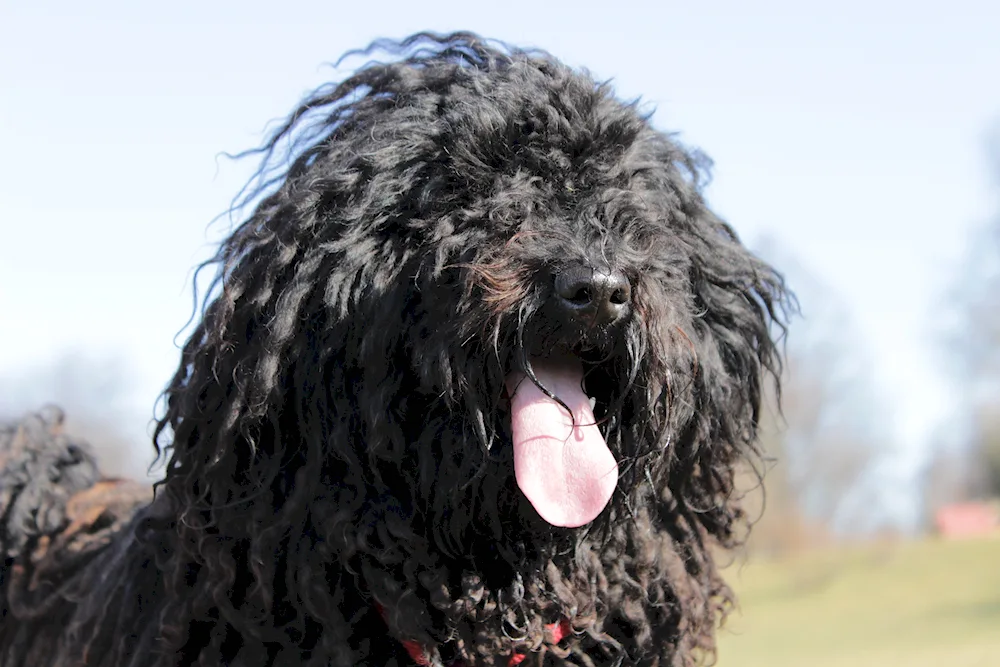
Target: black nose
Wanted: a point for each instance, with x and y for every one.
(595, 296)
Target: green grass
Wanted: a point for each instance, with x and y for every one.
(910, 604)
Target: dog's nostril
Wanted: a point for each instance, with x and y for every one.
(595, 296)
(621, 296)
(582, 296)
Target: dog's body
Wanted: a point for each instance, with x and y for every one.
(369, 453)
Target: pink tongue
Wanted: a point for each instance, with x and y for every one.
(567, 472)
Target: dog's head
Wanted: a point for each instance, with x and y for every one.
(486, 302)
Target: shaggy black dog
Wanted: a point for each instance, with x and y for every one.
(471, 388)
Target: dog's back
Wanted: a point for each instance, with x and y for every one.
(58, 521)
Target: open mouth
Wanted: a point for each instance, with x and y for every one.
(562, 464)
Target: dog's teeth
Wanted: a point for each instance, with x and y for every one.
(593, 402)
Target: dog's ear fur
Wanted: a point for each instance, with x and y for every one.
(738, 321)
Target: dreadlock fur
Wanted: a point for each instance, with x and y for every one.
(337, 438)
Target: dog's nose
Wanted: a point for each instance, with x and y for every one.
(595, 296)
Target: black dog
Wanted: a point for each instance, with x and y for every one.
(472, 388)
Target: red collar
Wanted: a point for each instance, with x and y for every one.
(422, 654)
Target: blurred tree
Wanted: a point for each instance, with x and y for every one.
(93, 391)
(820, 449)
(972, 350)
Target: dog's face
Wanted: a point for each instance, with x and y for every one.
(566, 271)
(561, 284)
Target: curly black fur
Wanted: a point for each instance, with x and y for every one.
(339, 465)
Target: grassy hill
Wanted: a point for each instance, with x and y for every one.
(909, 604)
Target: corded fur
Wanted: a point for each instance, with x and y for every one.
(337, 438)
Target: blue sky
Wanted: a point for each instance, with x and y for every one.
(854, 133)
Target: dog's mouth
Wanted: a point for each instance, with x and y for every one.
(562, 463)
